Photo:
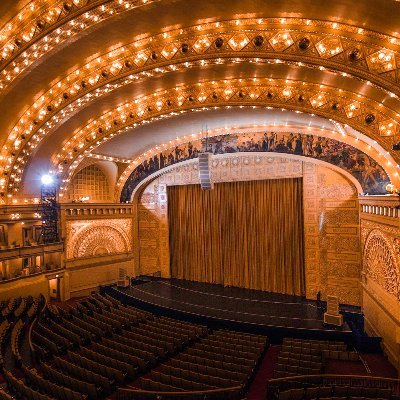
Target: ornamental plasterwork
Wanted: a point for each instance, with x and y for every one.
(338, 191)
(369, 225)
(380, 263)
(99, 237)
(279, 35)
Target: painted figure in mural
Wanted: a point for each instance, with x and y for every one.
(371, 175)
(190, 149)
(298, 149)
(318, 148)
(264, 146)
(289, 143)
(271, 145)
(309, 144)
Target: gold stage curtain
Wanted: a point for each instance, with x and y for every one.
(245, 234)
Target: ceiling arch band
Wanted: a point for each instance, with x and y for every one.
(209, 95)
(31, 35)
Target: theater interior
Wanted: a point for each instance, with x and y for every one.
(199, 200)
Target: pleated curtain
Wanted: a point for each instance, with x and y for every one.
(244, 234)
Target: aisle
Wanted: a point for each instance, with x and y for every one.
(258, 388)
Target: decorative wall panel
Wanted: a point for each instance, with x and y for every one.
(89, 238)
(380, 263)
(380, 238)
(90, 182)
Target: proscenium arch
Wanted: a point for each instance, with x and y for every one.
(323, 60)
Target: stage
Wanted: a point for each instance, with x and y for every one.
(276, 315)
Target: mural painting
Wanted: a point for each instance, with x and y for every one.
(367, 171)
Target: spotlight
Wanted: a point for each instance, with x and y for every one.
(47, 180)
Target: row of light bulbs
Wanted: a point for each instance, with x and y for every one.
(34, 37)
(42, 115)
(78, 80)
(32, 34)
(109, 123)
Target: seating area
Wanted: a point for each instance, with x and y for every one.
(98, 343)
(98, 348)
(221, 360)
(307, 357)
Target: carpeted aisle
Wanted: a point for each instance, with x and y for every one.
(258, 388)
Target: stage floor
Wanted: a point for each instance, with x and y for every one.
(261, 311)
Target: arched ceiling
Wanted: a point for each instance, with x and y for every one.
(76, 74)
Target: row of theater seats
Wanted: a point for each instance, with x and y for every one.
(223, 359)
(19, 307)
(96, 344)
(308, 357)
(17, 314)
(340, 355)
(337, 392)
(20, 389)
(20, 313)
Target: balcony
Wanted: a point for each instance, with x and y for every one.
(30, 251)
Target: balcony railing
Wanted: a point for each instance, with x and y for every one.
(79, 210)
(383, 206)
(29, 251)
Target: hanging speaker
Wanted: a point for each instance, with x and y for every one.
(204, 171)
